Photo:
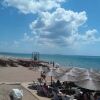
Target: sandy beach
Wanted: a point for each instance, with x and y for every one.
(28, 74)
(12, 75)
(18, 70)
(17, 74)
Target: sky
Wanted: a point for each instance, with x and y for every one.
(69, 27)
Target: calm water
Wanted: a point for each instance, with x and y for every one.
(65, 60)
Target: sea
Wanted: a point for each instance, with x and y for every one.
(64, 60)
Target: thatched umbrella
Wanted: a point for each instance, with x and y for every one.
(95, 73)
(78, 70)
(40, 69)
(90, 84)
(87, 75)
(87, 72)
(51, 73)
(59, 71)
(68, 76)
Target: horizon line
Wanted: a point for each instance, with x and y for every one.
(48, 54)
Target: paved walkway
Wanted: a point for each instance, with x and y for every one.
(5, 89)
(34, 92)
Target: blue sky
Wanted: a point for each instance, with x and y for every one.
(59, 27)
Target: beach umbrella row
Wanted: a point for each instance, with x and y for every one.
(88, 80)
(89, 84)
(71, 75)
(81, 77)
(67, 77)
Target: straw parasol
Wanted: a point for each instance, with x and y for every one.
(87, 75)
(89, 83)
(87, 72)
(78, 70)
(40, 69)
(59, 71)
(51, 73)
(68, 76)
(95, 73)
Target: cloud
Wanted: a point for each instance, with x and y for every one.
(90, 36)
(58, 27)
(33, 6)
(27, 38)
(61, 28)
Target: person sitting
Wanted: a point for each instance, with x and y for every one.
(46, 90)
(85, 96)
(45, 86)
(98, 97)
(39, 90)
(58, 84)
(91, 97)
(43, 75)
(40, 80)
(53, 84)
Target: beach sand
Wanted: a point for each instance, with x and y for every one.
(19, 74)
(11, 75)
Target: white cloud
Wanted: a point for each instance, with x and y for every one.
(27, 38)
(61, 28)
(33, 6)
(89, 37)
(58, 27)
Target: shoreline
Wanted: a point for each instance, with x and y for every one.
(10, 61)
(6, 61)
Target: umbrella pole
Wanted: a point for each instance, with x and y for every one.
(51, 80)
